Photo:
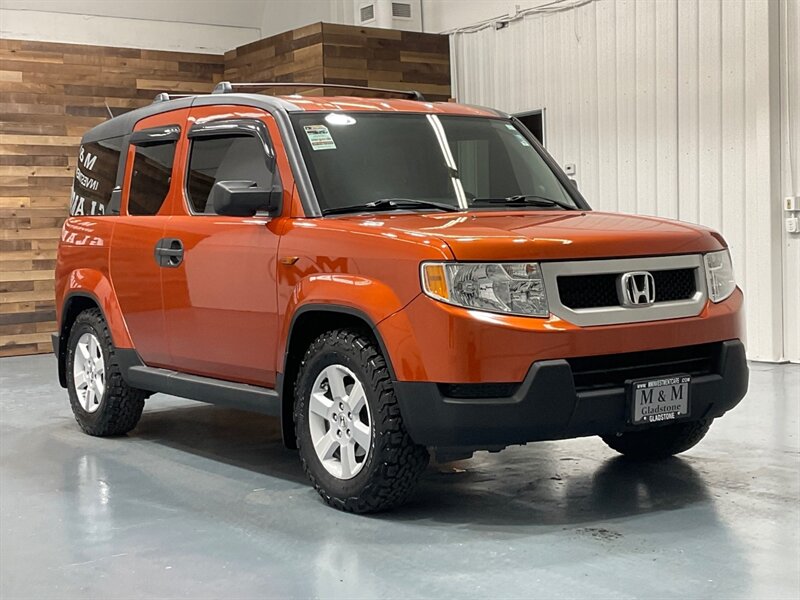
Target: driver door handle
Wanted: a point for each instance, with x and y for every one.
(169, 252)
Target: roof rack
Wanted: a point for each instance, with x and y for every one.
(165, 97)
(226, 87)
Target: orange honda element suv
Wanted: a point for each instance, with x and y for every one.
(388, 277)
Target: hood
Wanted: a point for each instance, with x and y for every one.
(549, 235)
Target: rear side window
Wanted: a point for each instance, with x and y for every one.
(226, 158)
(151, 178)
(95, 177)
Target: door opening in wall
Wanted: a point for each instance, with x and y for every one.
(534, 121)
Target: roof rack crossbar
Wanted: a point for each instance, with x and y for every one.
(226, 87)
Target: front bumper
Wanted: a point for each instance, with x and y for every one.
(432, 341)
(548, 405)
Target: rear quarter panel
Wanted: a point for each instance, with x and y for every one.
(82, 268)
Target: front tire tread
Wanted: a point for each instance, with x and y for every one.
(403, 461)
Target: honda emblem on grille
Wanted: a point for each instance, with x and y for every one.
(637, 288)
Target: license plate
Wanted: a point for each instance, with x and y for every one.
(659, 400)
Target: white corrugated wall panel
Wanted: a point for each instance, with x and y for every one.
(733, 141)
(762, 272)
(607, 185)
(790, 172)
(667, 108)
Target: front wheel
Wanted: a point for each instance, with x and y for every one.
(350, 434)
(659, 442)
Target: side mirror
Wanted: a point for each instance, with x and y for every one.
(573, 182)
(244, 198)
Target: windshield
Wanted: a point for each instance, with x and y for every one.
(355, 159)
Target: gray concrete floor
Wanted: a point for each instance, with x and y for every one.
(204, 502)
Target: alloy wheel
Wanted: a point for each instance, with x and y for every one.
(339, 421)
(89, 372)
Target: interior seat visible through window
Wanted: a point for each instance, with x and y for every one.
(229, 158)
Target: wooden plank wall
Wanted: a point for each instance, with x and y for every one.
(50, 94)
(387, 58)
(290, 56)
(347, 55)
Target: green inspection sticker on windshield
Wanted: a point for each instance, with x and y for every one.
(319, 137)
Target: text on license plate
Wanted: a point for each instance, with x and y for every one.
(661, 399)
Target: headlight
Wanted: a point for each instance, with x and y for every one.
(512, 288)
(719, 275)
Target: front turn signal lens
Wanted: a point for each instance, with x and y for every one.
(435, 281)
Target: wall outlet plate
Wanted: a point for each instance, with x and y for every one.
(792, 225)
(791, 203)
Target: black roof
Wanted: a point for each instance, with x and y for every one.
(124, 124)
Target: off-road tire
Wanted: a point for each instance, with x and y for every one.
(394, 462)
(121, 405)
(659, 442)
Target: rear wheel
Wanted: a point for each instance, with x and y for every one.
(352, 441)
(659, 442)
(103, 404)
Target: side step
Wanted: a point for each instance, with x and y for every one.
(205, 389)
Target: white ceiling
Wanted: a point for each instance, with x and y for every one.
(213, 26)
(236, 13)
(271, 16)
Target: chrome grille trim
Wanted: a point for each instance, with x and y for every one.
(611, 315)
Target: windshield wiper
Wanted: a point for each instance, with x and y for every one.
(527, 199)
(391, 204)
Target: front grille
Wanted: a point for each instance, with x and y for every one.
(588, 291)
(613, 370)
(600, 290)
(675, 284)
